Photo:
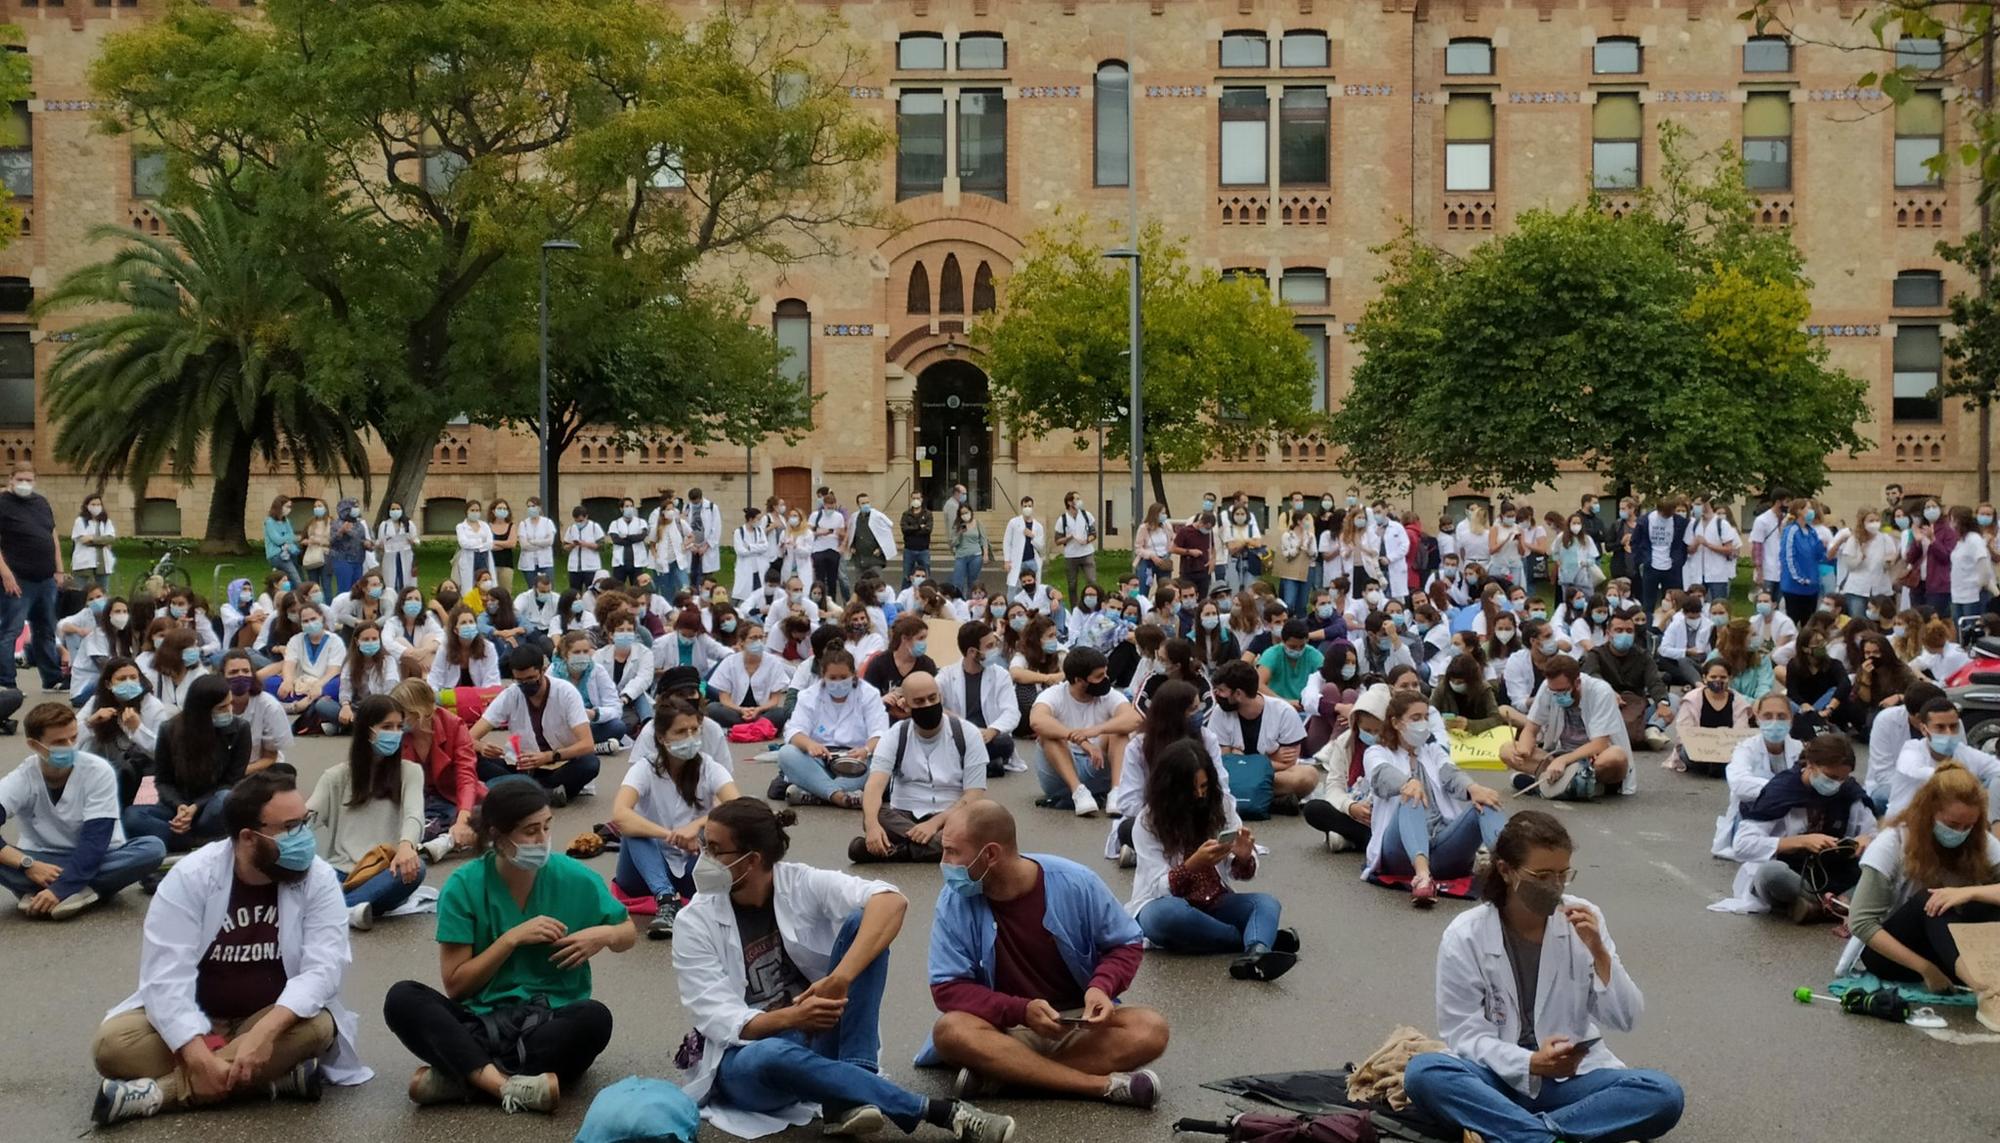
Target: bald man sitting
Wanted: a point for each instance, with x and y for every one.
(931, 764)
(1029, 954)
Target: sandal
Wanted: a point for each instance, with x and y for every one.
(1423, 892)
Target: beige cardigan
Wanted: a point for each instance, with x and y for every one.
(347, 832)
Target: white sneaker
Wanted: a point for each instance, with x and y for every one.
(119, 1100)
(1656, 739)
(436, 849)
(606, 747)
(73, 904)
(1085, 801)
(361, 918)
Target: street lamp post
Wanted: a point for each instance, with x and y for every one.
(1135, 403)
(543, 421)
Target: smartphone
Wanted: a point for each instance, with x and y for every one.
(1072, 1021)
(1226, 837)
(1582, 1046)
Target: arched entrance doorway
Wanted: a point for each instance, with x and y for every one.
(954, 440)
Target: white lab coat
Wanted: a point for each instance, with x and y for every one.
(1149, 880)
(638, 671)
(709, 562)
(667, 547)
(1600, 719)
(878, 524)
(537, 537)
(183, 921)
(1478, 1011)
(1019, 531)
(1755, 843)
(997, 704)
(734, 680)
(1678, 642)
(1396, 558)
(473, 537)
(811, 906)
(1914, 767)
(754, 549)
(1707, 566)
(1750, 766)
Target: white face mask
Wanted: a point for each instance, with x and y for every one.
(24, 488)
(711, 877)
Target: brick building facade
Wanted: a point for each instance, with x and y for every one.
(1280, 137)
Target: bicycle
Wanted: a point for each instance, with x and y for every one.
(166, 570)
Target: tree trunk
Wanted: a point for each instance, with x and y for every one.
(410, 461)
(552, 503)
(228, 499)
(1159, 476)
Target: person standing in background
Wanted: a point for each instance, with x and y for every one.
(916, 529)
(93, 533)
(582, 549)
(1076, 530)
(536, 540)
(829, 532)
(704, 530)
(281, 542)
(869, 545)
(30, 562)
(396, 538)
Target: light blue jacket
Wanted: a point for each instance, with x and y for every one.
(1083, 917)
(279, 539)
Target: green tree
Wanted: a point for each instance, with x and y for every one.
(1972, 352)
(1222, 367)
(405, 156)
(196, 361)
(1664, 351)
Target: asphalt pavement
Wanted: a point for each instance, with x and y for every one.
(1719, 1014)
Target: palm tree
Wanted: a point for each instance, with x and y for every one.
(200, 355)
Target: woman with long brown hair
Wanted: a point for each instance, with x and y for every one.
(373, 800)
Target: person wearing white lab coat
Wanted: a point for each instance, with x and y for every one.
(749, 684)
(1395, 549)
(1712, 544)
(702, 519)
(668, 554)
(1573, 722)
(799, 1037)
(755, 548)
(1772, 750)
(979, 689)
(833, 731)
(1025, 546)
(536, 536)
(688, 645)
(1943, 738)
(308, 1033)
(1816, 808)
(1526, 985)
(1429, 818)
(1893, 729)
(475, 545)
(582, 545)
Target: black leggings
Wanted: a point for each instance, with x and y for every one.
(1927, 936)
(448, 1036)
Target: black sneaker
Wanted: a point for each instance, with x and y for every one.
(558, 797)
(1268, 964)
(9, 728)
(662, 926)
(1287, 942)
(1523, 783)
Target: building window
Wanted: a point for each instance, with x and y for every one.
(951, 287)
(982, 51)
(919, 301)
(982, 142)
(17, 152)
(17, 381)
(1468, 57)
(983, 299)
(1920, 54)
(600, 509)
(1245, 49)
(149, 172)
(919, 143)
(1246, 273)
(1615, 130)
(1767, 53)
(1303, 137)
(1246, 115)
(1303, 287)
(1918, 290)
(17, 295)
(1468, 143)
(440, 167)
(667, 171)
(1315, 336)
(1615, 55)
(920, 51)
(1919, 367)
(1919, 139)
(1303, 49)
(791, 324)
(1113, 159)
(441, 515)
(158, 516)
(1767, 141)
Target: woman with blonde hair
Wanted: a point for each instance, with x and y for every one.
(1941, 657)
(1150, 557)
(1750, 673)
(1936, 865)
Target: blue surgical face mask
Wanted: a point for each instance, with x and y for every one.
(375, 592)
(128, 690)
(388, 743)
(1295, 652)
(959, 879)
(1210, 622)
(1050, 646)
(996, 610)
(1018, 623)
(368, 646)
(413, 607)
(530, 856)
(1775, 732)
(98, 605)
(1825, 786)
(312, 628)
(576, 607)
(177, 611)
(578, 665)
(1564, 699)
(1367, 738)
(62, 757)
(1598, 617)
(839, 688)
(223, 718)
(1948, 837)
(1621, 642)
(1945, 745)
(1326, 611)
(919, 647)
(1763, 607)
(296, 848)
(624, 639)
(756, 647)
(468, 631)
(727, 625)
(1550, 646)
(190, 656)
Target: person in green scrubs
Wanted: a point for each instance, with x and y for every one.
(516, 930)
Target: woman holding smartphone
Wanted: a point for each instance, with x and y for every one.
(1526, 985)
(1189, 857)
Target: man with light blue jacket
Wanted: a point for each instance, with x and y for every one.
(1029, 954)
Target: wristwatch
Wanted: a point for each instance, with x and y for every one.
(27, 863)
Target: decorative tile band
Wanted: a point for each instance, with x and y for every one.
(1368, 89)
(1844, 330)
(848, 330)
(1176, 91)
(63, 336)
(1544, 97)
(1836, 94)
(1423, 97)
(72, 105)
(1060, 91)
(1348, 328)
(1690, 97)
(864, 93)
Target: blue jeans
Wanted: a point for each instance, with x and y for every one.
(1716, 590)
(645, 866)
(811, 775)
(345, 573)
(965, 572)
(606, 729)
(668, 583)
(1451, 850)
(837, 1069)
(1293, 593)
(36, 606)
(1609, 1103)
(1096, 779)
(1857, 606)
(154, 821)
(290, 566)
(385, 890)
(1236, 922)
(914, 559)
(122, 865)
(1969, 610)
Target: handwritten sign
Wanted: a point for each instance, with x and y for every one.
(1712, 744)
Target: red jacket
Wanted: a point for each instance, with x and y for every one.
(450, 772)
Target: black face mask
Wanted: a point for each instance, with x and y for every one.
(1098, 689)
(447, 599)
(928, 717)
(1228, 704)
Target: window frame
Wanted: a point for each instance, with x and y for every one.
(1791, 124)
(1916, 56)
(18, 337)
(26, 150)
(1767, 42)
(1320, 334)
(139, 522)
(1931, 180)
(996, 190)
(1225, 115)
(1243, 37)
(982, 37)
(1636, 142)
(1320, 119)
(1489, 144)
(1935, 402)
(1482, 42)
(1638, 55)
(149, 156)
(1305, 274)
(1302, 36)
(1098, 121)
(909, 38)
(794, 309)
(1933, 280)
(905, 187)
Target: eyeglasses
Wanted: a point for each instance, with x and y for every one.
(1558, 876)
(308, 822)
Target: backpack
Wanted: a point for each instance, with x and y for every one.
(1250, 783)
(1347, 1125)
(903, 743)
